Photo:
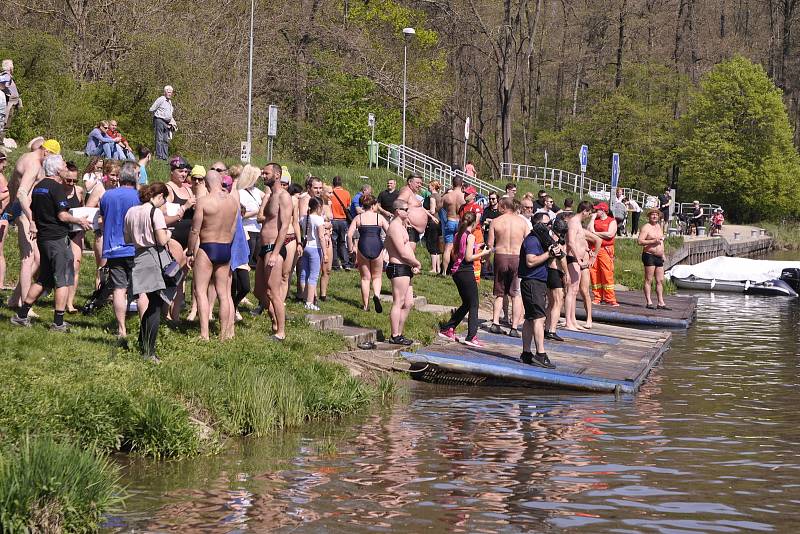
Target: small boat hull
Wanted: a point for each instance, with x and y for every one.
(773, 288)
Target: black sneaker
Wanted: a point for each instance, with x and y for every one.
(553, 335)
(258, 310)
(16, 320)
(62, 328)
(400, 340)
(377, 303)
(495, 329)
(323, 298)
(514, 333)
(540, 359)
(526, 357)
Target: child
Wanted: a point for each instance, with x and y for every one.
(716, 222)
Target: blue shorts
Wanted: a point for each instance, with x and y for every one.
(449, 233)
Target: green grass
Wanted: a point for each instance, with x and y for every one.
(47, 486)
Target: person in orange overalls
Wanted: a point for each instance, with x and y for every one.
(472, 206)
(602, 271)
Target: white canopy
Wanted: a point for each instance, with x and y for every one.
(734, 269)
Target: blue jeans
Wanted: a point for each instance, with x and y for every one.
(310, 265)
(107, 150)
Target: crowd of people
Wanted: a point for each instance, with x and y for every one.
(220, 224)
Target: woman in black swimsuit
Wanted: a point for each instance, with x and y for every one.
(181, 223)
(369, 256)
(74, 194)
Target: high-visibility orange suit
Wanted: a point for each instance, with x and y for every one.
(602, 272)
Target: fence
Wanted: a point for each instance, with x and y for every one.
(403, 161)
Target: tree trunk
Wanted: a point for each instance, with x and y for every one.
(620, 44)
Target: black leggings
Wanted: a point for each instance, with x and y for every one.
(240, 286)
(148, 330)
(468, 291)
(252, 244)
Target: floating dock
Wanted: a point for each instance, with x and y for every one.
(632, 311)
(606, 359)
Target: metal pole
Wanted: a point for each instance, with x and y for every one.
(403, 143)
(372, 147)
(464, 166)
(250, 79)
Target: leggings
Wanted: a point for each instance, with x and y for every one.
(468, 291)
(310, 265)
(252, 244)
(240, 286)
(148, 330)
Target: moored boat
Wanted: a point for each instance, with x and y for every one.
(740, 275)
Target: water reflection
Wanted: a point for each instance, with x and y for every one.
(710, 444)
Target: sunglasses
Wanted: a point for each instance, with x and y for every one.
(198, 179)
(527, 207)
(493, 199)
(218, 170)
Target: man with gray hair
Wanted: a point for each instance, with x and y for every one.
(50, 212)
(163, 122)
(11, 93)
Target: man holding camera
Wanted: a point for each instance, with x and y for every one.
(532, 271)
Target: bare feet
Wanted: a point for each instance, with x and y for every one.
(587, 326)
(574, 327)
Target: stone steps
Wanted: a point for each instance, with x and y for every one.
(353, 335)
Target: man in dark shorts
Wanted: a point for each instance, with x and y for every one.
(506, 234)
(533, 287)
(118, 255)
(56, 270)
(651, 238)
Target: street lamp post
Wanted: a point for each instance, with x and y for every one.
(250, 81)
(408, 33)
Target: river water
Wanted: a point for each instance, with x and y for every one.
(710, 444)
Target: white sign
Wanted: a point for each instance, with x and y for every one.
(245, 155)
(272, 129)
(371, 120)
(584, 157)
(466, 129)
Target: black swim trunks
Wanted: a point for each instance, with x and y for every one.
(396, 270)
(266, 249)
(554, 279)
(413, 234)
(571, 259)
(651, 260)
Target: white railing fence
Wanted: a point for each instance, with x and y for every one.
(403, 161)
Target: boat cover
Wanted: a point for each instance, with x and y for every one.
(734, 269)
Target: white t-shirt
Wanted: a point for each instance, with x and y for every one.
(250, 200)
(315, 224)
(527, 220)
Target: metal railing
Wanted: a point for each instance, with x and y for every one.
(581, 185)
(403, 161)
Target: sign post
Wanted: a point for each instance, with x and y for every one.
(466, 143)
(583, 155)
(371, 124)
(245, 153)
(614, 177)
(272, 129)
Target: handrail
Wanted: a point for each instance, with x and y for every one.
(403, 160)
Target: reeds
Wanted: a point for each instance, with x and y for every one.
(50, 486)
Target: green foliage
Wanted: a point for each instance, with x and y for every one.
(635, 120)
(159, 428)
(47, 486)
(737, 145)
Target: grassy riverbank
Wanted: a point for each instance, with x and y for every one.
(786, 234)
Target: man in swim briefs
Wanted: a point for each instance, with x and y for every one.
(403, 265)
(209, 252)
(451, 202)
(277, 217)
(578, 259)
(417, 215)
(651, 238)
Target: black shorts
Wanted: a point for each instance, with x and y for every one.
(396, 270)
(651, 260)
(432, 234)
(119, 272)
(533, 298)
(413, 234)
(56, 268)
(554, 279)
(571, 259)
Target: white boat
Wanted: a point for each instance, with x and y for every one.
(740, 275)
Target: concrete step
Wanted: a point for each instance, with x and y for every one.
(354, 335)
(436, 309)
(418, 300)
(322, 321)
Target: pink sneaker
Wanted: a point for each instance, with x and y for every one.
(474, 342)
(448, 334)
